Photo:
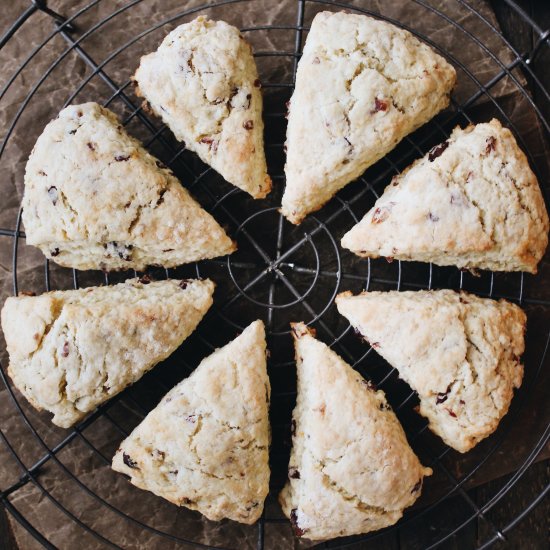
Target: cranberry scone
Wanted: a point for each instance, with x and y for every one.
(472, 201)
(362, 85)
(351, 469)
(96, 199)
(72, 350)
(203, 82)
(459, 352)
(206, 444)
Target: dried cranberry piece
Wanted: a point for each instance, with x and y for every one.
(437, 151)
(442, 397)
(159, 455)
(380, 214)
(54, 252)
(122, 158)
(370, 385)
(91, 146)
(212, 143)
(294, 521)
(124, 252)
(451, 413)
(257, 83)
(127, 459)
(183, 283)
(144, 279)
(248, 125)
(379, 105)
(456, 199)
(490, 141)
(65, 352)
(293, 473)
(52, 193)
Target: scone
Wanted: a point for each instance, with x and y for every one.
(96, 199)
(472, 201)
(203, 82)
(362, 86)
(72, 350)
(351, 469)
(206, 445)
(460, 353)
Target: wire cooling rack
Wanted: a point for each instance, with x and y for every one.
(280, 273)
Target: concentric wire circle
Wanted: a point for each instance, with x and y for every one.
(280, 274)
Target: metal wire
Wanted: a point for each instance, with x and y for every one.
(276, 272)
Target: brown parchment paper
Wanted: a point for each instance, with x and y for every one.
(79, 472)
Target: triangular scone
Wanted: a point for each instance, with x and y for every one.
(362, 86)
(72, 350)
(460, 353)
(95, 198)
(351, 469)
(206, 445)
(203, 82)
(472, 202)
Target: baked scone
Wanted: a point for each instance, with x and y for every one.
(72, 350)
(95, 198)
(362, 86)
(206, 445)
(351, 469)
(459, 352)
(472, 201)
(203, 82)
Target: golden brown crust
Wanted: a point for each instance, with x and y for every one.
(203, 82)
(206, 445)
(351, 469)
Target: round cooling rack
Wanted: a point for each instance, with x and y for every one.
(57, 484)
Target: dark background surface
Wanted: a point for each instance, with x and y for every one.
(532, 531)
